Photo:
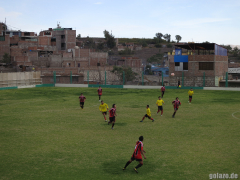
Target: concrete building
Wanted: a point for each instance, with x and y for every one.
(195, 62)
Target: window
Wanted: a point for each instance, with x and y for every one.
(27, 34)
(78, 64)
(206, 66)
(63, 36)
(53, 39)
(185, 66)
(47, 33)
(177, 64)
(62, 46)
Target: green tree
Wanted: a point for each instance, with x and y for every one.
(156, 40)
(235, 51)
(90, 43)
(6, 58)
(159, 35)
(158, 45)
(109, 39)
(129, 74)
(100, 46)
(157, 58)
(228, 47)
(178, 38)
(167, 37)
(79, 36)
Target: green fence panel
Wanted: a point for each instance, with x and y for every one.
(6, 88)
(45, 85)
(226, 82)
(123, 77)
(54, 77)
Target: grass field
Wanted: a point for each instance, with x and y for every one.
(45, 135)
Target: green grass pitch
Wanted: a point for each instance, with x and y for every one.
(45, 135)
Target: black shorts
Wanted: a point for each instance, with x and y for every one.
(112, 119)
(163, 92)
(147, 116)
(133, 158)
(160, 108)
(190, 97)
(176, 108)
(104, 112)
(81, 103)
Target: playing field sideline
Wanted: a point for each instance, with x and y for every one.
(45, 135)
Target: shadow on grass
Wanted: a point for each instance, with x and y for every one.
(115, 167)
(116, 124)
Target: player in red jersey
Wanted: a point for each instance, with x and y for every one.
(99, 92)
(137, 155)
(82, 100)
(112, 114)
(176, 103)
(163, 90)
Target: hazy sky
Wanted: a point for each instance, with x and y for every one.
(215, 21)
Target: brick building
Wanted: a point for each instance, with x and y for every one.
(55, 47)
(192, 63)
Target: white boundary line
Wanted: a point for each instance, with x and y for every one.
(234, 113)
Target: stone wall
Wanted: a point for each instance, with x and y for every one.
(193, 81)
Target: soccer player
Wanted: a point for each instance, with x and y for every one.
(159, 104)
(176, 103)
(137, 155)
(112, 114)
(163, 90)
(99, 92)
(190, 93)
(82, 100)
(148, 115)
(103, 108)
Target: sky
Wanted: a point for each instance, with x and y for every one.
(216, 21)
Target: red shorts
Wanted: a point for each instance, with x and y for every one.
(99, 94)
(137, 158)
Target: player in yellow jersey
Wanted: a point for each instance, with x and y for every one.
(148, 115)
(103, 108)
(159, 103)
(190, 93)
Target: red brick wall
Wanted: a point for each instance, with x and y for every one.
(84, 52)
(5, 46)
(43, 40)
(14, 39)
(221, 68)
(201, 58)
(70, 36)
(67, 55)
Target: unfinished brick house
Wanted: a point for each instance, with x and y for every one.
(53, 48)
(192, 63)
